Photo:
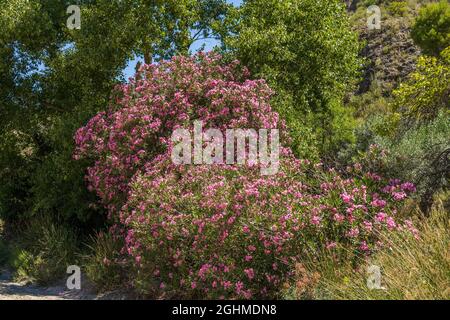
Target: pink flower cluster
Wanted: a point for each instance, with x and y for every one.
(224, 231)
(138, 125)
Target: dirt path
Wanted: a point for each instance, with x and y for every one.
(10, 290)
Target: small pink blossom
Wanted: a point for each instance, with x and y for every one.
(390, 223)
(250, 273)
(331, 245)
(354, 232)
(346, 198)
(363, 246)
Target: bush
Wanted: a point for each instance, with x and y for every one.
(431, 30)
(427, 90)
(219, 230)
(226, 232)
(136, 130)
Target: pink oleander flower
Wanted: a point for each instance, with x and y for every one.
(380, 217)
(227, 285)
(250, 273)
(338, 217)
(239, 286)
(315, 220)
(408, 187)
(331, 245)
(346, 198)
(378, 203)
(399, 195)
(247, 294)
(390, 223)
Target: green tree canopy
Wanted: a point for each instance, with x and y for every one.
(427, 90)
(52, 80)
(431, 30)
(305, 49)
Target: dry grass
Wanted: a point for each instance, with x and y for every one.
(411, 269)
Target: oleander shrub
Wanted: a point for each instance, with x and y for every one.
(138, 125)
(228, 232)
(220, 230)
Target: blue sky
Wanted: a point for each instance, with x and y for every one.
(209, 44)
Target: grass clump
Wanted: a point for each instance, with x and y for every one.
(102, 262)
(44, 251)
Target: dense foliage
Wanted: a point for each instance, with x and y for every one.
(431, 30)
(227, 232)
(307, 52)
(54, 79)
(137, 128)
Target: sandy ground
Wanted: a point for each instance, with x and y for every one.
(10, 290)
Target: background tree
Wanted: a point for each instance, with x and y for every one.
(431, 30)
(427, 90)
(307, 52)
(54, 79)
